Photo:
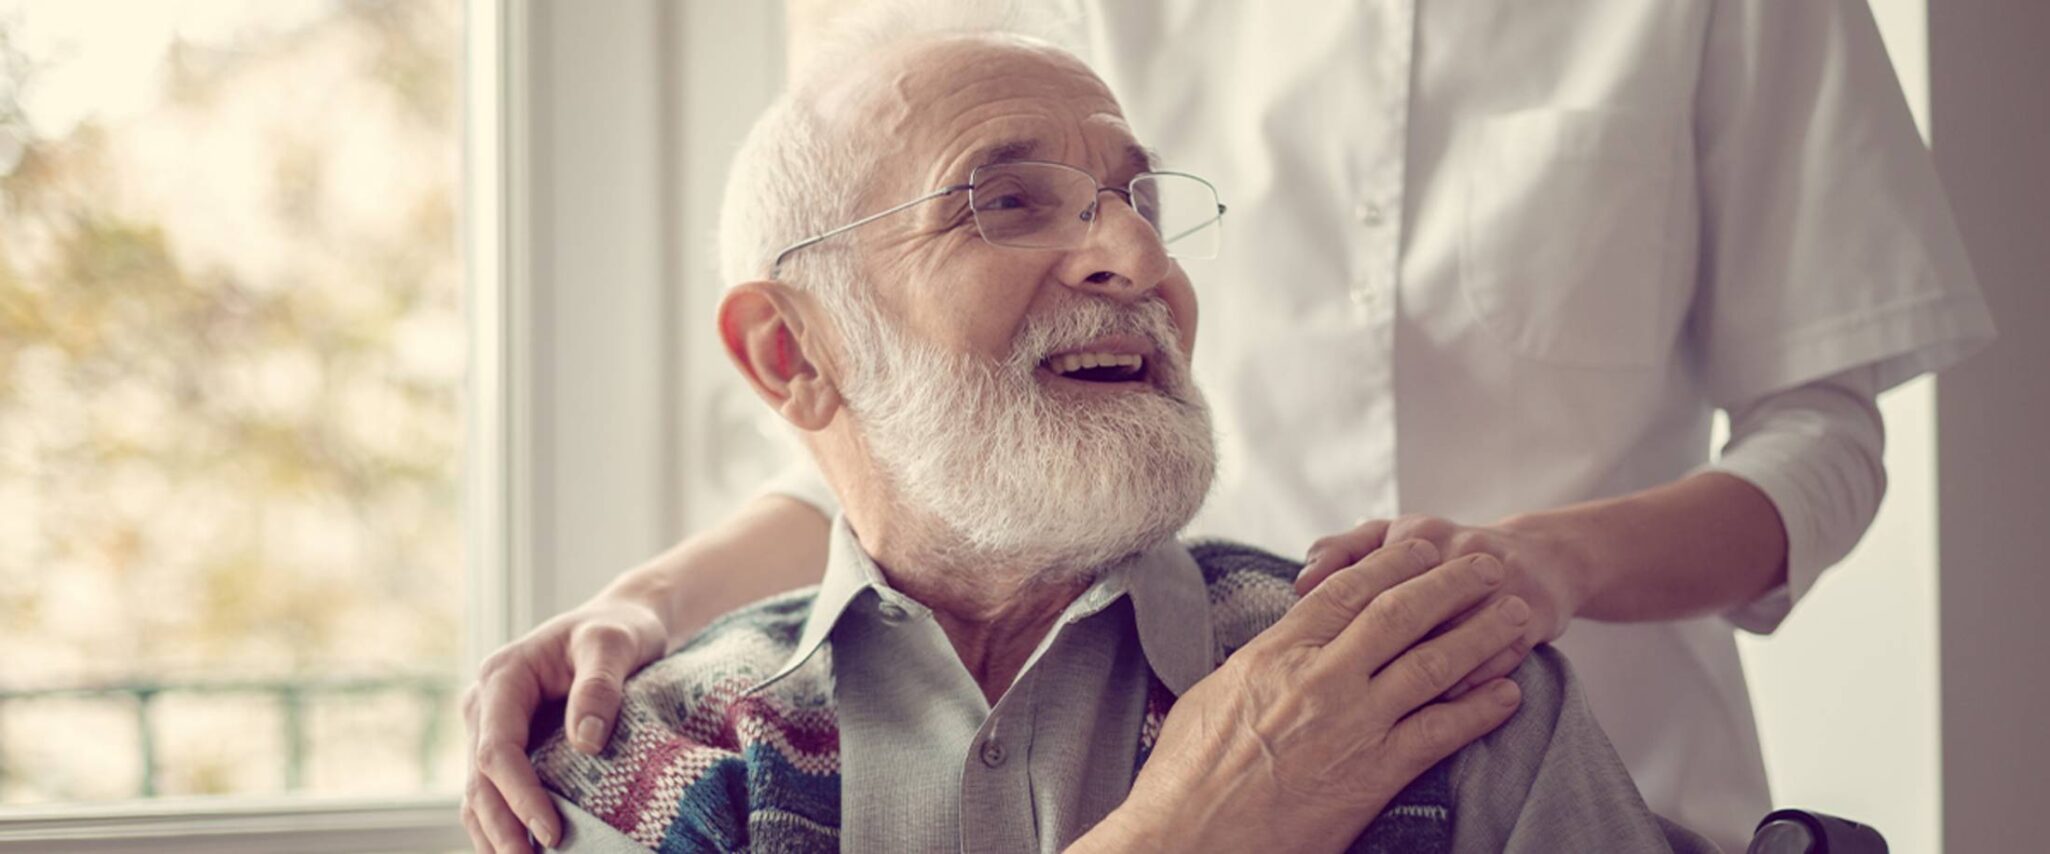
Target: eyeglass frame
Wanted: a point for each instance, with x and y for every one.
(1088, 214)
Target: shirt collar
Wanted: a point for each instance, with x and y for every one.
(1170, 604)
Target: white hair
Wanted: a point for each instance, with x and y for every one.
(799, 173)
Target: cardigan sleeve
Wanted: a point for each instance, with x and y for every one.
(1548, 779)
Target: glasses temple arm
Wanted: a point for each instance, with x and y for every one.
(1195, 228)
(776, 266)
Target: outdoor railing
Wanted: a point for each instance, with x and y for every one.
(290, 693)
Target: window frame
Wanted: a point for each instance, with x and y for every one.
(573, 203)
(426, 823)
(496, 79)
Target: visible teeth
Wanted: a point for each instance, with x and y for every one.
(1072, 362)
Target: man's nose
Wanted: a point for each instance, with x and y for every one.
(1123, 256)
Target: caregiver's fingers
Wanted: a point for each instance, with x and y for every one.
(602, 654)
(478, 841)
(501, 827)
(507, 704)
(1338, 551)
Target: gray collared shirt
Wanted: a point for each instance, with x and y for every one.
(927, 764)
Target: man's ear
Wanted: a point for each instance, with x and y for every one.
(764, 334)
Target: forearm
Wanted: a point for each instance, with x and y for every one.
(1699, 545)
(1798, 483)
(772, 544)
(1116, 833)
(1818, 452)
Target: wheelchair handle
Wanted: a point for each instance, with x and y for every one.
(1804, 832)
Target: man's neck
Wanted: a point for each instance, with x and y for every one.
(995, 644)
(995, 611)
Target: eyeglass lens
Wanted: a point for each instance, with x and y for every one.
(1047, 206)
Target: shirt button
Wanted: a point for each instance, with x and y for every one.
(993, 753)
(1364, 297)
(1367, 213)
(891, 612)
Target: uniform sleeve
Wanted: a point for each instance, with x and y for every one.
(1548, 780)
(1817, 451)
(1826, 239)
(801, 480)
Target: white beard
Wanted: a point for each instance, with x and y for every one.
(1005, 471)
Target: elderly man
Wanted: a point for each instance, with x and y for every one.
(965, 300)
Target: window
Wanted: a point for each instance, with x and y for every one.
(233, 358)
(511, 334)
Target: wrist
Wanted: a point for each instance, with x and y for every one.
(662, 587)
(1575, 551)
(1119, 831)
(1134, 826)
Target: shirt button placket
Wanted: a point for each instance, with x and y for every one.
(1375, 290)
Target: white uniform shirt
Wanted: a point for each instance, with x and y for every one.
(1485, 258)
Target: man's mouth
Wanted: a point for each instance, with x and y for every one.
(1095, 367)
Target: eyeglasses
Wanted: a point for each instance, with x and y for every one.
(1036, 204)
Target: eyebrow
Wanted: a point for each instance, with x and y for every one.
(1141, 158)
(1010, 151)
(1138, 158)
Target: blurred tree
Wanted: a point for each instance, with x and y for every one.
(231, 346)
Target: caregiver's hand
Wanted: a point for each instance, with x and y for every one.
(772, 544)
(1303, 736)
(1542, 570)
(585, 654)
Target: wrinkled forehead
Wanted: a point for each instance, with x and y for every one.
(945, 105)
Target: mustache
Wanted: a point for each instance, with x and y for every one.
(1077, 323)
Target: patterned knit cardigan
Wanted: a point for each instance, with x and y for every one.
(695, 766)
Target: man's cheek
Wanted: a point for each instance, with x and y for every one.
(1182, 307)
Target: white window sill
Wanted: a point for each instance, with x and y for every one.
(243, 824)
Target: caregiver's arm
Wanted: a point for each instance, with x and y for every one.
(1818, 452)
(775, 543)
(1797, 485)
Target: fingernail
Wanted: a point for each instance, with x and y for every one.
(1423, 552)
(1515, 609)
(1490, 569)
(1505, 692)
(542, 834)
(591, 732)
